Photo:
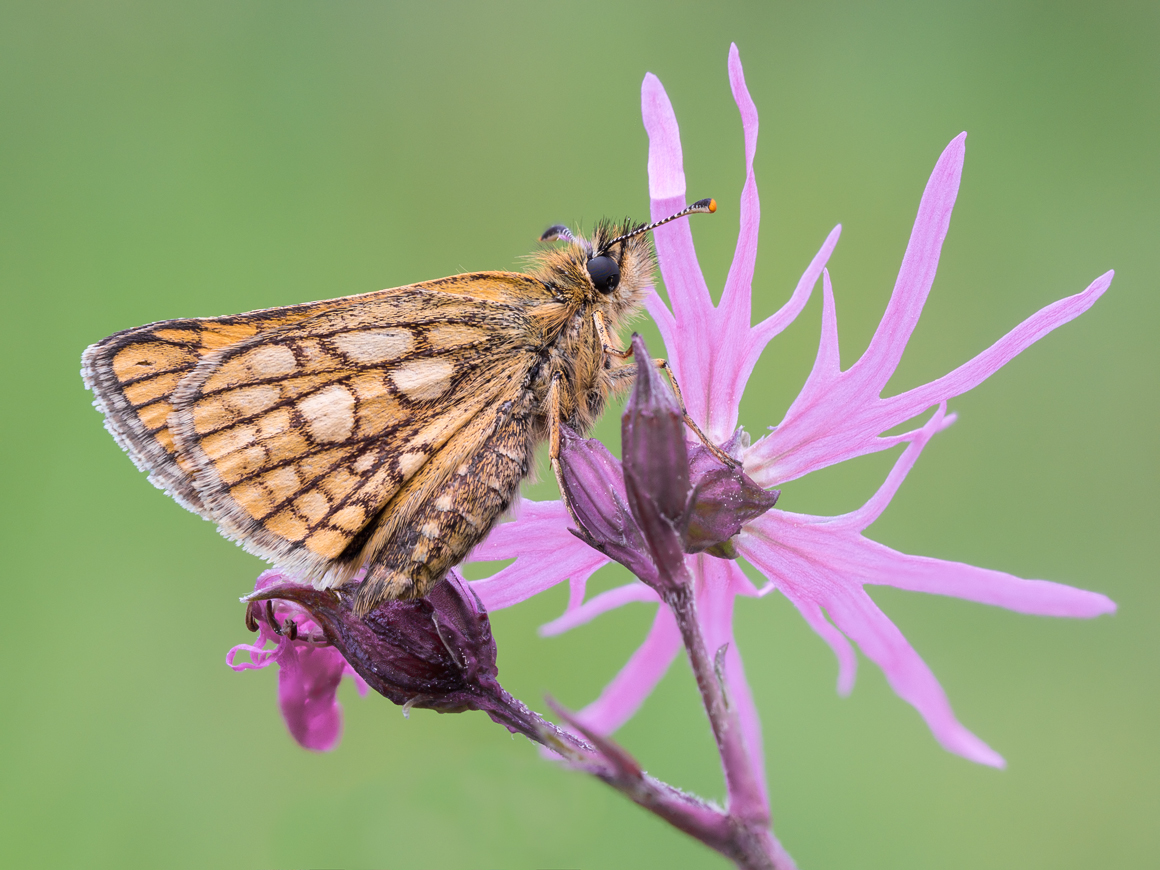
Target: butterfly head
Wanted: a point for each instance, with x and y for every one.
(612, 270)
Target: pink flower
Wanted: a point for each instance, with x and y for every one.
(308, 671)
(821, 564)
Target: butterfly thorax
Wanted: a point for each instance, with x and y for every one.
(572, 353)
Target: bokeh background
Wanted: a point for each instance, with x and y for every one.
(168, 160)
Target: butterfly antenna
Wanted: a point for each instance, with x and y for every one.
(701, 206)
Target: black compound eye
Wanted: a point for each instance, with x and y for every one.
(604, 272)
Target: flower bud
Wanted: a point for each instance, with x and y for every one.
(724, 498)
(435, 652)
(656, 466)
(593, 484)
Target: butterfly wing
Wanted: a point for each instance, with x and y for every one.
(294, 439)
(133, 374)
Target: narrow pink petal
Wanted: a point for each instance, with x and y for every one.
(692, 306)
(878, 502)
(547, 554)
(938, 577)
(861, 620)
(837, 417)
(784, 316)
(971, 374)
(623, 696)
(816, 619)
(735, 298)
(793, 573)
(760, 335)
(665, 321)
(919, 265)
(828, 362)
(540, 524)
(666, 166)
(530, 575)
(599, 604)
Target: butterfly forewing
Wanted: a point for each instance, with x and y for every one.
(292, 428)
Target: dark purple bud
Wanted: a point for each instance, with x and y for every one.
(724, 498)
(594, 487)
(656, 466)
(435, 652)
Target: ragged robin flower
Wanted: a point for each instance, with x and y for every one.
(821, 564)
(435, 652)
(309, 669)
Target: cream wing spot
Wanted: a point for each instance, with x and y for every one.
(282, 482)
(329, 413)
(312, 505)
(273, 361)
(351, 518)
(422, 380)
(409, 462)
(370, 346)
(340, 483)
(253, 498)
(247, 401)
(364, 463)
(287, 525)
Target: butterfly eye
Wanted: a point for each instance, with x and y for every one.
(604, 272)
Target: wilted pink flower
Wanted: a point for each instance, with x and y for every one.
(308, 671)
(821, 564)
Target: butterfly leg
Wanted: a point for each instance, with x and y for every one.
(663, 364)
(554, 418)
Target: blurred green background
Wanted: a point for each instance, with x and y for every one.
(168, 160)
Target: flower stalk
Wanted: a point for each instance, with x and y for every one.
(438, 653)
(663, 494)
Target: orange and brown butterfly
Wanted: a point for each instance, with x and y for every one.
(387, 431)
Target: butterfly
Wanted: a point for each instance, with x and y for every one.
(387, 431)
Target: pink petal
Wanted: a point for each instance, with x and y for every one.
(666, 169)
(546, 554)
(839, 415)
(877, 503)
(773, 325)
(888, 567)
(533, 521)
(308, 679)
(688, 294)
(821, 562)
(623, 696)
(599, 604)
(972, 373)
(919, 265)
(816, 619)
(861, 620)
(735, 298)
